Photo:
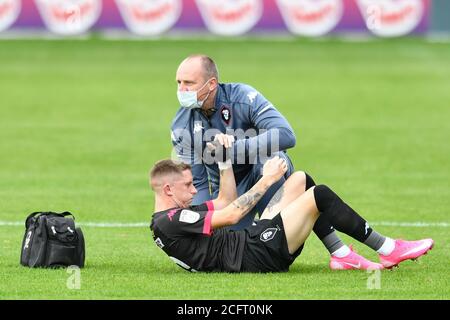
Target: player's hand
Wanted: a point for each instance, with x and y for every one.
(274, 169)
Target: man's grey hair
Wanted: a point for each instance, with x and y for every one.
(209, 66)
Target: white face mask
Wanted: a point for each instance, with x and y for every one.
(189, 99)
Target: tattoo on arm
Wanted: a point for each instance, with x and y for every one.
(275, 199)
(247, 201)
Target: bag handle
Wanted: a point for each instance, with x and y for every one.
(32, 215)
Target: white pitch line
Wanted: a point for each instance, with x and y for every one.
(88, 224)
(411, 224)
(147, 224)
(114, 224)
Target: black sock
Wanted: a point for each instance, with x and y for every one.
(340, 215)
(323, 228)
(309, 182)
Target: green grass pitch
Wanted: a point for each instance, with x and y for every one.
(82, 122)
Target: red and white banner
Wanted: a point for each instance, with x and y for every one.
(149, 17)
(69, 17)
(390, 18)
(9, 11)
(230, 17)
(311, 17)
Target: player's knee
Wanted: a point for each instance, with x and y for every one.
(324, 197)
(299, 180)
(309, 181)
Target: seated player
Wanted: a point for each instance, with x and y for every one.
(194, 237)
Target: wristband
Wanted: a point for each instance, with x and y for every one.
(224, 165)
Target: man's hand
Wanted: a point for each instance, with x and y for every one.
(274, 169)
(219, 146)
(221, 139)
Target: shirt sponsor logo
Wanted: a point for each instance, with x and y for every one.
(311, 17)
(268, 234)
(9, 11)
(149, 17)
(189, 216)
(230, 17)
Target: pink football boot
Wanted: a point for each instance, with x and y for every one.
(353, 261)
(405, 250)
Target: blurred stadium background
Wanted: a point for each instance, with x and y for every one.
(364, 83)
(150, 18)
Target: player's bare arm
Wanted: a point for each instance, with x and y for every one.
(273, 170)
(227, 188)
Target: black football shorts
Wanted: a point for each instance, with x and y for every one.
(266, 248)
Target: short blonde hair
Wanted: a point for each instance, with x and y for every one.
(166, 167)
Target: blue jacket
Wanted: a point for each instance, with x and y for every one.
(237, 106)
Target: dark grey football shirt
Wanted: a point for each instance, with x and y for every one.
(185, 235)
